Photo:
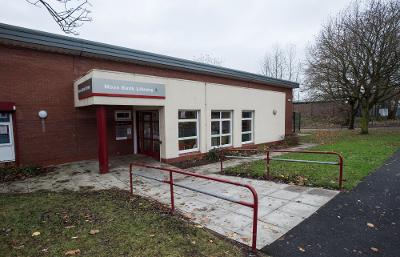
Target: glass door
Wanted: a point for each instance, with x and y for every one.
(148, 133)
(7, 151)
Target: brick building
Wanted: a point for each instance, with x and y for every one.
(65, 99)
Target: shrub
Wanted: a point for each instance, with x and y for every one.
(213, 155)
(291, 140)
(10, 173)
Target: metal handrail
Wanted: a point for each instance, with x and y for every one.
(253, 205)
(267, 158)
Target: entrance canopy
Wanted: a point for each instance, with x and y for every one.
(137, 124)
(100, 87)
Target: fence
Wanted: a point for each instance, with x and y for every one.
(170, 181)
(268, 159)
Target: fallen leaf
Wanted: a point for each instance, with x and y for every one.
(94, 231)
(374, 249)
(74, 237)
(152, 235)
(36, 233)
(211, 241)
(194, 242)
(301, 249)
(68, 227)
(73, 252)
(370, 225)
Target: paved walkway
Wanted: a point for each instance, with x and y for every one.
(282, 206)
(362, 222)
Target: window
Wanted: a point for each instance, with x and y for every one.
(5, 130)
(247, 126)
(123, 132)
(188, 131)
(221, 128)
(123, 115)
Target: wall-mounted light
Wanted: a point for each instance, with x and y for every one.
(43, 115)
(274, 111)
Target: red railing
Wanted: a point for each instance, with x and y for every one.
(253, 205)
(268, 159)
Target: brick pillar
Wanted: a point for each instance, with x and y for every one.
(102, 138)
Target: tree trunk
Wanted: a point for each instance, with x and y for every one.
(364, 119)
(392, 109)
(352, 117)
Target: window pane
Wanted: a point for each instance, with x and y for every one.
(4, 117)
(226, 115)
(226, 127)
(187, 129)
(146, 117)
(247, 114)
(147, 130)
(246, 137)
(215, 128)
(215, 115)
(187, 144)
(225, 140)
(121, 132)
(4, 134)
(215, 141)
(246, 125)
(187, 114)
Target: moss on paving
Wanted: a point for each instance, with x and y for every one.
(362, 155)
(127, 227)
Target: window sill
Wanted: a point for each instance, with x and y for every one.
(248, 143)
(195, 152)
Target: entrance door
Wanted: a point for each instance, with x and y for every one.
(7, 152)
(148, 133)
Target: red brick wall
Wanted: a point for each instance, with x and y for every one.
(37, 80)
(320, 109)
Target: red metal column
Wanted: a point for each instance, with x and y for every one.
(102, 138)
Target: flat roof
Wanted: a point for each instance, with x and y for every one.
(81, 47)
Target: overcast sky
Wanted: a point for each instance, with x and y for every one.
(237, 32)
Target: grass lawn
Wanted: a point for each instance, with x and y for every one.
(362, 155)
(126, 227)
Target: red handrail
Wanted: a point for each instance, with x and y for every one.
(253, 205)
(268, 159)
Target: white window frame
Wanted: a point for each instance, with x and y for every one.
(9, 126)
(197, 137)
(220, 135)
(252, 128)
(129, 118)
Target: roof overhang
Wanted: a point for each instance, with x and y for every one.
(7, 106)
(52, 42)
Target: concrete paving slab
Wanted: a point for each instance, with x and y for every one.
(267, 233)
(282, 219)
(299, 209)
(285, 194)
(313, 199)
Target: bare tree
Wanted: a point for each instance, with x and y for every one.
(208, 59)
(282, 63)
(356, 57)
(68, 14)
